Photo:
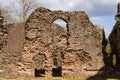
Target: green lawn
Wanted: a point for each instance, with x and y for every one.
(55, 79)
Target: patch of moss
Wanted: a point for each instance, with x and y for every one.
(108, 49)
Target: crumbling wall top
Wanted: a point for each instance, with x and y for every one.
(45, 13)
(1, 16)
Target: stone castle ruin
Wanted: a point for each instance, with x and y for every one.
(39, 47)
(114, 39)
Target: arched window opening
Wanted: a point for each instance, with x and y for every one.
(61, 23)
(60, 27)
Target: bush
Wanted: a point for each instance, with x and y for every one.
(108, 49)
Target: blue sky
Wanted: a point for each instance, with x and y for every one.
(100, 12)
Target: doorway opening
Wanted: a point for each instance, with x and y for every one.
(57, 72)
(39, 72)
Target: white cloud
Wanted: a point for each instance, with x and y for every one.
(89, 6)
(95, 18)
(6, 2)
(70, 4)
(60, 4)
(92, 7)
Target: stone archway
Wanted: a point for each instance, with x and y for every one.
(61, 33)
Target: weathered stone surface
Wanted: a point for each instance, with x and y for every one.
(114, 39)
(77, 50)
(11, 52)
(41, 45)
(3, 33)
(114, 42)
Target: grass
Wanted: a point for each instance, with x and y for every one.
(55, 79)
(114, 59)
(108, 51)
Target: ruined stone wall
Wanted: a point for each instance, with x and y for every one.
(40, 44)
(80, 53)
(84, 61)
(114, 42)
(114, 39)
(3, 33)
(11, 43)
(11, 51)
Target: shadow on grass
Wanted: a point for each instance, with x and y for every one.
(107, 74)
(109, 71)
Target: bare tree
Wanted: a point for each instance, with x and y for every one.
(22, 9)
(5, 13)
